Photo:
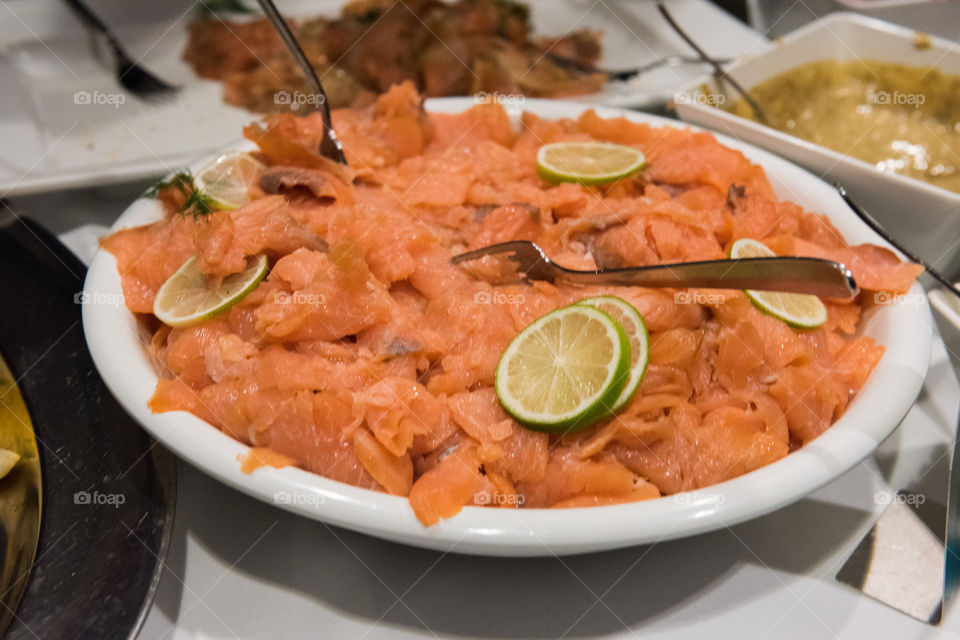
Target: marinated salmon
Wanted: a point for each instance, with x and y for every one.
(368, 357)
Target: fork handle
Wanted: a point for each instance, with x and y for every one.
(88, 16)
(794, 275)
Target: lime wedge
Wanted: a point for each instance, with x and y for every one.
(588, 163)
(227, 179)
(635, 328)
(187, 296)
(800, 310)
(565, 370)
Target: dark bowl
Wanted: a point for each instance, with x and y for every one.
(107, 487)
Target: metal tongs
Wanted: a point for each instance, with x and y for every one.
(330, 146)
(819, 277)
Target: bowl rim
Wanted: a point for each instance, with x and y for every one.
(116, 347)
(684, 102)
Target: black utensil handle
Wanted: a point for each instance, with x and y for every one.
(84, 13)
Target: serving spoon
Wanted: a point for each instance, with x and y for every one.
(788, 274)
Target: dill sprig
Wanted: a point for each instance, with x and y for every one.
(182, 181)
(197, 203)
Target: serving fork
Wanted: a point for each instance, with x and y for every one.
(816, 276)
(330, 145)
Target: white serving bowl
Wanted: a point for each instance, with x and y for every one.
(902, 204)
(904, 329)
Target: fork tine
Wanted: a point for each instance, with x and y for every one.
(531, 261)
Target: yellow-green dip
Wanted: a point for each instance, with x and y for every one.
(899, 118)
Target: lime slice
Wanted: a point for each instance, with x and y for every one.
(565, 370)
(187, 297)
(227, 179)
(800, 310)
(635, 328)
(588, 163)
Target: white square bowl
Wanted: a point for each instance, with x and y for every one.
(903, 205)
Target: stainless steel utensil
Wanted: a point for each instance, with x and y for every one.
(330, 147)
(720, 71)
(626, 74)
(130, 75)
(793, 275)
